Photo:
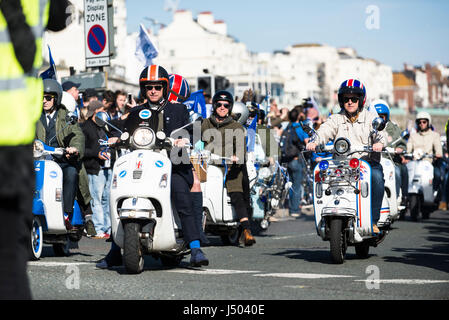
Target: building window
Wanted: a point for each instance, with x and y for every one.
(172, 53)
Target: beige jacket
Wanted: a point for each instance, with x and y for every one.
(338, 125)
(428, 141)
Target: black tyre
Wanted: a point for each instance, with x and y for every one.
(171, 261)
(362, 250)
(62, 249)
(415, 206)
(338, 243)
(132, 251)
(37, 239)
(232, 238)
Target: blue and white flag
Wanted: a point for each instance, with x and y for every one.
(196, 103)
(145, 49)
(50, 73)
(251, 133)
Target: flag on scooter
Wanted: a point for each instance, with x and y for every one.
(196, 103)
(50, 73)
(251, 132)
(145, 49)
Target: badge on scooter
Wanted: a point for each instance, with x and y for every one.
(159, 164)
(53, 174)
(145, 114)
(122, 174)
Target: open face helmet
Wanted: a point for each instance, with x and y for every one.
(155, 74)
(382, 107)
(352, 86)
(179, 89)
(222, 95)
(423, 115)
(53, 87)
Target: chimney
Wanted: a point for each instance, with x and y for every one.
(206, 20)
(221, 27)
(182, 16)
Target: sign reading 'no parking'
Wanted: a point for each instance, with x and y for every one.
(96, 33)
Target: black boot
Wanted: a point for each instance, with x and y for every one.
(197, 199)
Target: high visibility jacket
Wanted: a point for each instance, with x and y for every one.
(21, 94)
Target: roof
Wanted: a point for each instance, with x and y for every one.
(400, 80)
(303, 45)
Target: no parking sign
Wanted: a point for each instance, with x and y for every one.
(96, 33)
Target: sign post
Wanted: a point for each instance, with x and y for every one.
(96, 33)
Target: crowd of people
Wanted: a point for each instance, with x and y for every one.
(285, 140)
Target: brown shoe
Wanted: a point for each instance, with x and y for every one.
(442, 206)
(375, 229)
(247, 238)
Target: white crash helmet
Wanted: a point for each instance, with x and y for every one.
(240, 112)
(424, 115)
(68, 101)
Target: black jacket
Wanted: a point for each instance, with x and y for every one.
(92, 132)
(175, 116)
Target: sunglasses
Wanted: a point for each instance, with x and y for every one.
(353, 99)
(48, 97)
(156, 87)
(219, 104)
(422, 121)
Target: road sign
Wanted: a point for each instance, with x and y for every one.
(96, 33)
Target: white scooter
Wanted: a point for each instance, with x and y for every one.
(143, 218)
(48, 214)
(342, 199)
(420, 190)
(221, 218)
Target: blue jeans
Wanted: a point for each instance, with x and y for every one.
(295, 171)
(99, 186)
(377, 189)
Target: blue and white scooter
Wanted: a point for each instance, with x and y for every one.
(48, 214)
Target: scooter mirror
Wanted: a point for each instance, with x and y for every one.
(196, 117)
(71, 118)
(405, 134)
(101, 118)
(124, 136)
(307, 126)
(378, 124)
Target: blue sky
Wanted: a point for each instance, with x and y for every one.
(413, 31)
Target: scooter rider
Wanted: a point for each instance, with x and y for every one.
(49, 130)
(429, 142)
(393, 133)
(215, 134)
(355, 124)
(167, 117)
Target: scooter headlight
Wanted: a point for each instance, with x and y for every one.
(342, 145)
(264, 173)
(38, 148)
(143, 137)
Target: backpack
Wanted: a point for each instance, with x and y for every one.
(290, 144)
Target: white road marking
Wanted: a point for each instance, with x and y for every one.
(403, 281)
(211, 271)
(55, 263)
(303, 275)
(293, 236)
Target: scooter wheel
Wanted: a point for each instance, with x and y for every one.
(338, 243)
(62, 249)
(36, 239)
(232, 238)
(132, 252)
(415, 206)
